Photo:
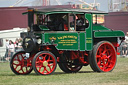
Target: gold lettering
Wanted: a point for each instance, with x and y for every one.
(88, 41)
(60, 38)
(88, 38)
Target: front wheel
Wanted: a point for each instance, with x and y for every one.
(103, 57)
(44, 63)
(19, 65)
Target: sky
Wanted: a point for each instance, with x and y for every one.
(7, 3)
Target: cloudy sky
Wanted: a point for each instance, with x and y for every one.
(7, 3)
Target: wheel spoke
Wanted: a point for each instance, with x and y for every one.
(50, 67)
(50, 64)
(98, 56)
(22, 70)
(40, 68)
(105, 49)
(109, 66)
(26, 69)
(44, 57)
(100, 51)
(47, 71)
(16, 67)
(43, 70)
(99, 62)
(108, 57)
(15, 59)
(111, 62)
(49, 57)
(102, 67)
(18, 59)
(49, 61)
(37, 62)
(22, 57)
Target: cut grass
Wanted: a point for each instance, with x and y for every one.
(119, 76)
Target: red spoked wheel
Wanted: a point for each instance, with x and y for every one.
(67, 64)
(103, 57)
(44, 63)
(19, 65)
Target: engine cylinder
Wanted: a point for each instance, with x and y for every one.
(30, 44)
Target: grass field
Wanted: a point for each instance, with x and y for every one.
(119, 76)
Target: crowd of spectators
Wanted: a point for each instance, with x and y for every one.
(12, 47)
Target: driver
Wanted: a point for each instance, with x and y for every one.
(80, 20)
(79, 23)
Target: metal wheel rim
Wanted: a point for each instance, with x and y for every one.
(45, 63)
(106, 57)
(20, 65)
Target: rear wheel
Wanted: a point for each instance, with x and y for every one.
(103, 57)
(44, 63)
(67, 65)
(19, 65)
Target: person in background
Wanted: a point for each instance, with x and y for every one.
(11, 48)
(16, 44)
(20, 44)
(125, 46)
(126, 41)
(7, 47)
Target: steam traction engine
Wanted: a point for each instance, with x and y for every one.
(59, 36)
